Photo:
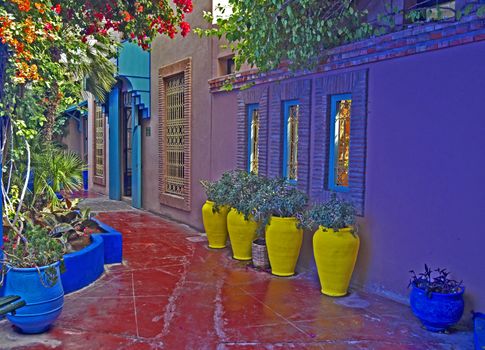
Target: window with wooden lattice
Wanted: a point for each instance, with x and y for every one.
(291, 111)
(175, 135)
(175, 111)
(253, 138)
(340, 142)
(99, 168)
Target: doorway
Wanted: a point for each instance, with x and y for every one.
(127, 143)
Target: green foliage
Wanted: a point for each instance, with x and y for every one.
(335, 214)
(34, 249)
(243, 195)
(266, 33)
(67, 224)
(219, 191)
(435, 281)
(278, 197)
(55, 170)
(256, 197)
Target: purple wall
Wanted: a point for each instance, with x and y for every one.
(425, 169)
(425, 165)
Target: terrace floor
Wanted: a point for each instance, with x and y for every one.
(172, 292)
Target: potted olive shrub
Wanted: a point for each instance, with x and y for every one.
(436, 299)
(241, 224)
(335, 244)
(279, 208)
(31, 266)
(215, 209)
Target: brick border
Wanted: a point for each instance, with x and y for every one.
(280, 92)
(182, 66)
(416, 39)
(356, 83)
(244, 98)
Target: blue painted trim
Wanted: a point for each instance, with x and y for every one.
(286, 115)
(83, 267)
(333, 147)
(146, 115)
(87, 265)
(114, 144)
(113, 243)
(249, 112)
(136, 182)
(132, 76)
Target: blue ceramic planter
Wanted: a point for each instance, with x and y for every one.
(85, 180)
(43, 302)
(479, 330)
(439, 311)
(83, 267)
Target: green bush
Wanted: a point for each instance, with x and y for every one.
(335, 214)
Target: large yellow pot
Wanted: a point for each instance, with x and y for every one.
(215, 225)
(242, 233)
(283, 240)
(335, 255)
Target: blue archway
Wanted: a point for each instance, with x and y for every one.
(133, 72)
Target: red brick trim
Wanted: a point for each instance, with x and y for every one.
(289, 90)
(414, 40)
(356, 83)
(183, 66)
(244, 98)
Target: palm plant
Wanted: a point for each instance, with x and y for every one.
(97, 70)
(55, 170)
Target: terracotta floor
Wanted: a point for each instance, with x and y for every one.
(174, 293)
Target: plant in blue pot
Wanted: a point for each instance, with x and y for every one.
(436, 299)
(30, 270)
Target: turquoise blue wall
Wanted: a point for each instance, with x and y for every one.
(114, 144)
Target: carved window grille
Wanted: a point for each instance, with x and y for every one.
(340, 142)
(290, 153)
(253, 140)
(99, 145)
(175, 127)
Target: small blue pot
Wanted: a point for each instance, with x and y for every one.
(43, 302)
(85, 180)
(479, 330)
(438, 311)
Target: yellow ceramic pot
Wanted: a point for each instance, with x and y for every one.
(283, 240)
(215, 225)
(335, 255)
(242, 233)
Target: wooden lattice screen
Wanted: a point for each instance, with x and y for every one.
(175, 112)
(175, 134)
(99, 146)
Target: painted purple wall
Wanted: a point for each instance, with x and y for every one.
(223, 133)
(425, 194)
(425, 169)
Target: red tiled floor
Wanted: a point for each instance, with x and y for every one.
(172, 292)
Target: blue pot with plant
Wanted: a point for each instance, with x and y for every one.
(436, 300)
(32, 268)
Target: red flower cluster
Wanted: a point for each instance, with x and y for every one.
(57, 8)
(185, 28)
(185, 5)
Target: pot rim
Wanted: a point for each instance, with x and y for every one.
(345, 229)
(32, 269)
(461, 292)
(286, 218)
(259, 239)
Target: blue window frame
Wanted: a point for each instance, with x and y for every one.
(339, 159)
(291, 114)
(253, 137)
